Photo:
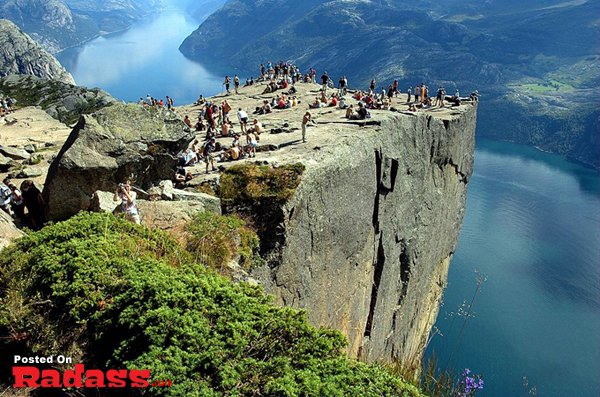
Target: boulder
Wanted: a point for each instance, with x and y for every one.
(117, 143)
(211, 203)
(29, 173)
(8, 230)
(14, 153)
(169, 215)
(30, 148)
(103, 202)
(5, 163)
(166, 189)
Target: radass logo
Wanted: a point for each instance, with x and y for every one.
(79, 376)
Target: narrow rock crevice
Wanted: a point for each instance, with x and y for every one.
(379, 265)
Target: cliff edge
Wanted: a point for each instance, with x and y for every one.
(367, 238)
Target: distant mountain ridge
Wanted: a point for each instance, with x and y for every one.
(539, 57)
(59, 24)
(20, 54)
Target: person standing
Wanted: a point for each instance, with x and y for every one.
(408, 92)
(227, 84)
(243, 118)
(207, 152)
(324, 81)
(305, 121)
(236, 83)
(252, 141)
(128, 204)
(35, 204)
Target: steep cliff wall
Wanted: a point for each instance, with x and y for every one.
(369, 234)
(20, 54)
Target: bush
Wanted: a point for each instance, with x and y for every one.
(215, 240)
(112, 294)
(253, 183)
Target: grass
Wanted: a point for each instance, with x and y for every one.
(551, 86)
(215, 240)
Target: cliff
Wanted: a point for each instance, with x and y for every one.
(369, 234)
(20, 54)
(363, 242)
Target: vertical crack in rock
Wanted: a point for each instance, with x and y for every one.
(379, 264)
(378, 160)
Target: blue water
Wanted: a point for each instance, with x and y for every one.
(144, 60)
(532, 228)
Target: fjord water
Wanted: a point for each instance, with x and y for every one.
(532, 228)
(143, 60)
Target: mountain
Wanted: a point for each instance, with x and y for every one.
(20, 54)
(540, 56)
(59, 24)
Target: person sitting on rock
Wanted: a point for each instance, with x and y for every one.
(5, 200)
(187, 121)
(257, 127)
(199, 126)
(226, 127)
(189, 155)
(316, 104)
(350, 112)
(281, 102)
(128, 204)
(16, 200)
(181, 177)
(334, 101)
(361, 112)
(324, 97)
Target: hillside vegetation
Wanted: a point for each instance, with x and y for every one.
(111, 294)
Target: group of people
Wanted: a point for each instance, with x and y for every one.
(14, 201)
(156, 103)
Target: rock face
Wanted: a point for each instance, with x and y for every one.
(104, 149)
(369, 234)
(20, 54)
(64, 102)
(59, 24)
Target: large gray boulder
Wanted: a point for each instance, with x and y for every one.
(8, 230)
(108, 147)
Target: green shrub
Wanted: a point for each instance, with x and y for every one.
(112, 294)
(215, 240)
(253, 183)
